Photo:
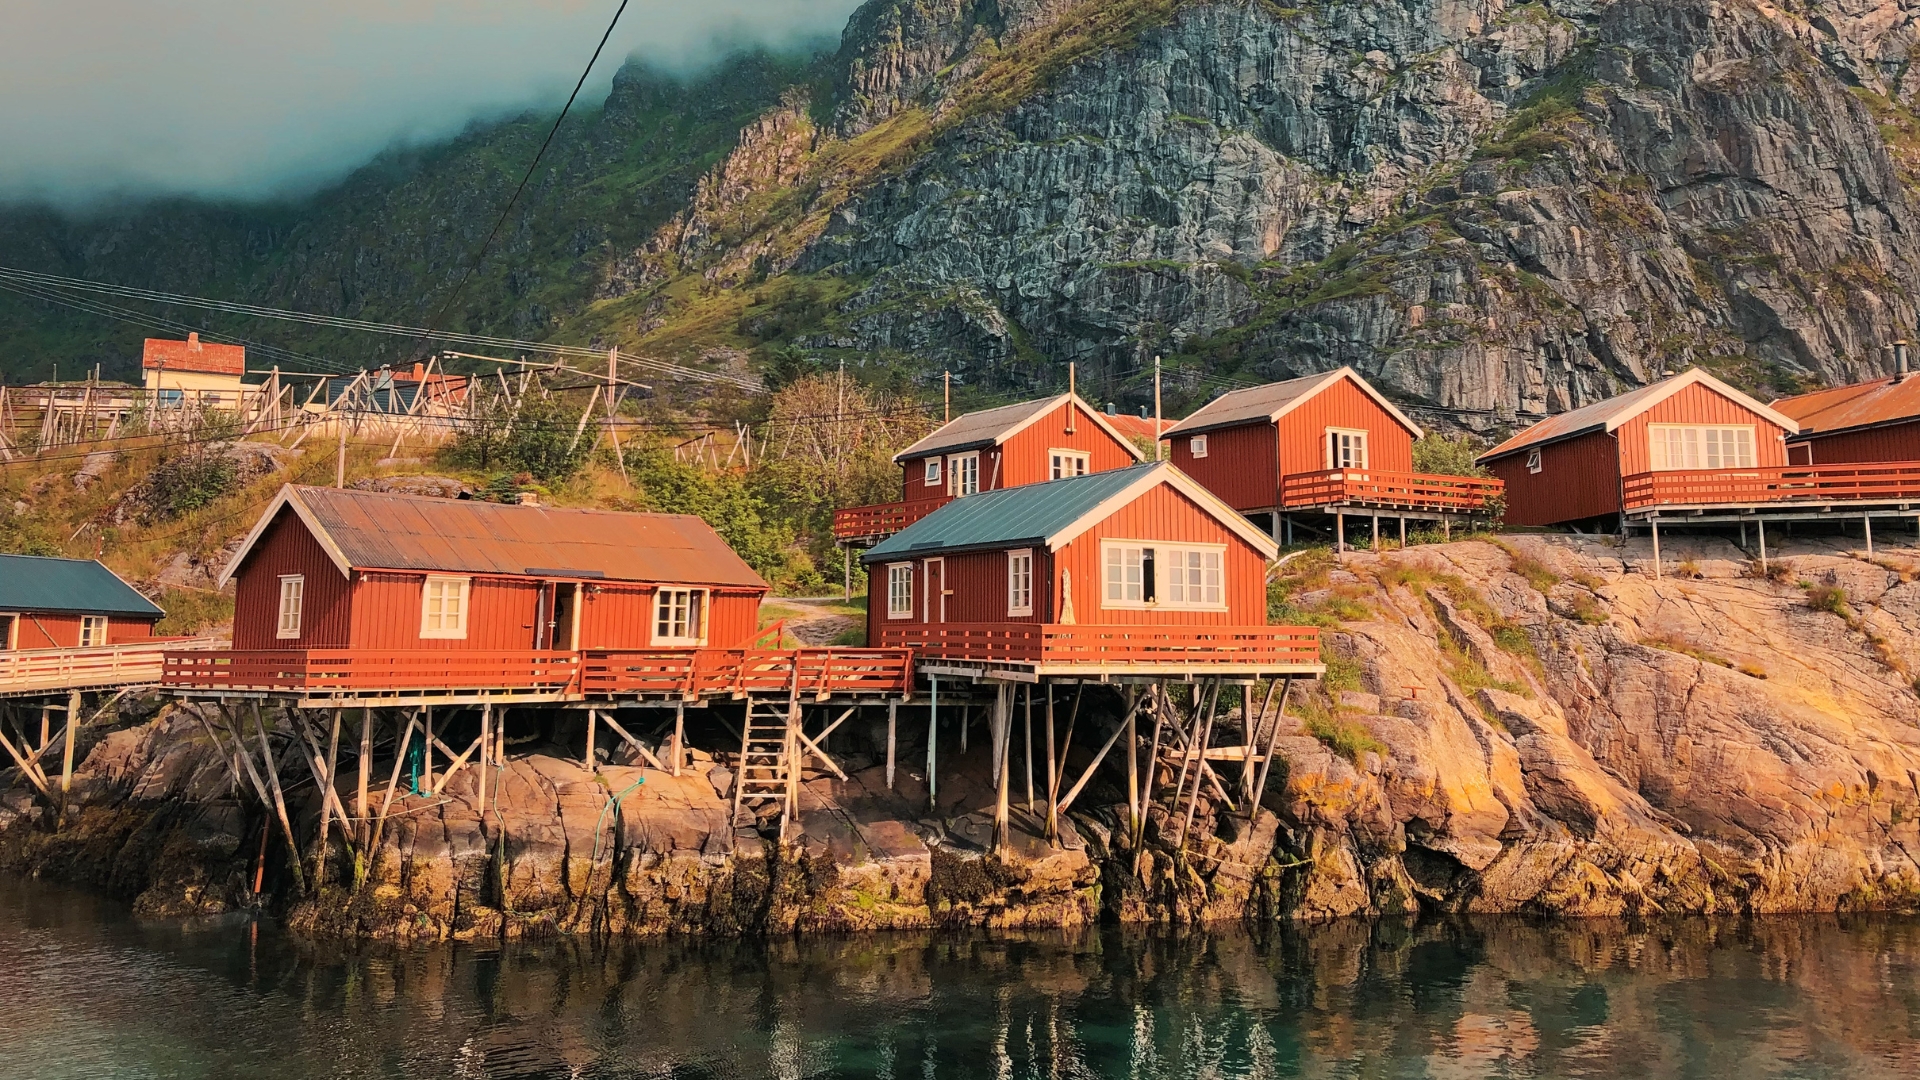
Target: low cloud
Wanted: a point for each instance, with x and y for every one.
(104, 99)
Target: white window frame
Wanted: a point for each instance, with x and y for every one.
(695, 620)
(1125, 555)
(932, 472)
(1701, 447)
(464, 595)
(93, 631)
(1059, 460)
(900, 590)
(1197, 446)
(1357, 438)
(1533, 461)
(960, 469)
(292, 586)
(1020, 582)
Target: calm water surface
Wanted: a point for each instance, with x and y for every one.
(87, 991)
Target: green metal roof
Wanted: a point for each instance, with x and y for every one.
(1031, 513)
(79, 586)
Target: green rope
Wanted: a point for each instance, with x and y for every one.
(612, 804)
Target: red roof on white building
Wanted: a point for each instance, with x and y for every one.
(194, 355)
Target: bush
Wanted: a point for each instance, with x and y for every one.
(533, 434)
(1828, 598)
(1343, 737)
(1442, 456)
(729, 504)
(186, 482)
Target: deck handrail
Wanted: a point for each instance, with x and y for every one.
(699, 673)
(1891, 481)
(1110, 646)
(128, 664)
(1380, 487)
(372, 670)
(882, 519)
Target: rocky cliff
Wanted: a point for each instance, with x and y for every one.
(1493, 209)
(1533, 725)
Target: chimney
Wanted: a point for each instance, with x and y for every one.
(193, 341)
(1109, 408)
(1900, 361)
(527, 498)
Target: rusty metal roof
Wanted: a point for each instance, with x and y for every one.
(1844, 408)
(991, 427)
(379, 530)
(1610, 413)
(1267, 404)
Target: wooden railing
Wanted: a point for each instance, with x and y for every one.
(1893, 481)
(364, 671)
(1199, 647)
(882, 520)
(1395, 490)
(133, 664)
(700, 673)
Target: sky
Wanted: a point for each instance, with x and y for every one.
(110, 99)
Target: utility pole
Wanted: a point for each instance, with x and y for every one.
(947, 378)
(340, 463)
(1156, 409)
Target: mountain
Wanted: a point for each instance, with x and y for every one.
(1492, 209)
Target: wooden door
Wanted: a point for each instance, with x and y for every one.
(934, 597)
(566, 616)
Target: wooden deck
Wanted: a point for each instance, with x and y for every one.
(1373, 489)
(47, 671)
(872, 524)
(1890, 484)
(1049, 649)
(452, 677)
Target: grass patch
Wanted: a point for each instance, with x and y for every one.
(1538, 574)
(1343, 737)
(1331, 606)
(192, 611)
(1684, 647)
(1828, 598)
(1586, 609)
(1342, 674)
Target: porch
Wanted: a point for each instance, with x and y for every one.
(1889, 487)
(1413, 494)
(29, 672)
(1026, 652)
(867, 525)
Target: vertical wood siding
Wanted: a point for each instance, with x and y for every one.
(1242, 465)
(1578, 478)
(124, 631)
(288, 548)
(1895, 442)
(1162, 514)
(1698, 405)
(58, 630)
(1303, 432)
(913, 481)
(1026, 458)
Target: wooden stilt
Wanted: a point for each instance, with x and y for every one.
(680, 736)
(279, 797)
(1656, 548)
(1266, 763)
(1205, 734)
(1053, 776)
(1094, 765)
(486, 721)
(1066, 741)
(366, 767)
(1373, 535)
(393, 781)
(46, 728)
(593, 721)
(1339, 531)
(1133, 777)
(66, 755)
(1028, 742)
(933, 741)
(329, 799)
(893, 725)
(1866, 522)
(1002, 732)
(1253, 736)
(1761, 524)
(1161, 706)
(1200, 691)
(1403, 532)
(27, 768)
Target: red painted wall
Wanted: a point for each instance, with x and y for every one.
(1242, 465)
(53, 630)
(288, 548)
(1578, 478)
(1026, 458)
(1895, 442)
(1303, 432)
(1698, 405)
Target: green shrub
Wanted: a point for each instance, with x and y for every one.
(1343, 737)
(1828, 598)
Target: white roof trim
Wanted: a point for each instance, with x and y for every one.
(1699, 377)
(287, 497)
(1199, 424)
(1166, 473)
(1044, 408)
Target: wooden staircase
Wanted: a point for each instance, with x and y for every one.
(768, 759)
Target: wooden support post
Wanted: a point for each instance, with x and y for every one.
(1403, 532)
(593, 721)
(66, 755)
(328, 798)
(933, 740)
(1253, 735)
(1656, 547)
(46, 728)
(1094, 765)
(1866, 520)
(1161, 706)
(1743, 534)
(893, 724)
(426, 735)
(486, 720)
(1761, 523)
(1203, 734)
(279, 797)
(846, 573)
(1053, 776)
(1133, 778)
(1028, 742)
(1339, 532)
(1066, 741)
(1373, 537)
(393, 781)
(1266, 762)
(1002, 732)
(680, 736)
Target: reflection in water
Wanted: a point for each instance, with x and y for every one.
(87, 992)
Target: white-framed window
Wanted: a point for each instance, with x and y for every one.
(293, 603)
(899, 590)
(1533, 460)
(679, 616)
(443, 607)
(1346, 449)
(1020, 582)
(1190, 576)
(1197, 446)
(1699, 446)
(933, 472)
(963, 474)
(93, 631)
(1068, 463)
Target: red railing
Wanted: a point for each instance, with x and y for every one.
(700, 673)
(1199, 647)
(1890, 481)
(885, 519)
(359, 671)
(133, 664)
(1405, 491)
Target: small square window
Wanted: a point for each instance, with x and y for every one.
(443, 608)
(1069, 463)
(933, 472)
(1533, 460)
(1197, 446)
(93, 631)
(679, 617)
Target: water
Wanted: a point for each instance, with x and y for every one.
(87, 991)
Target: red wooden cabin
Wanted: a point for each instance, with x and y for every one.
(1874, 421)
(1027, 443)
(1690, 441)
(1138, 570)
(68, 624)
(1325, 444)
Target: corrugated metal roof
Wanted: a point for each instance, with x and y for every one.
(411, 532)
(1612, 412)
(1268, 403)
(1879, 401)
(202, 357)
(79, 586)
(1030, 513)
(983, 428)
